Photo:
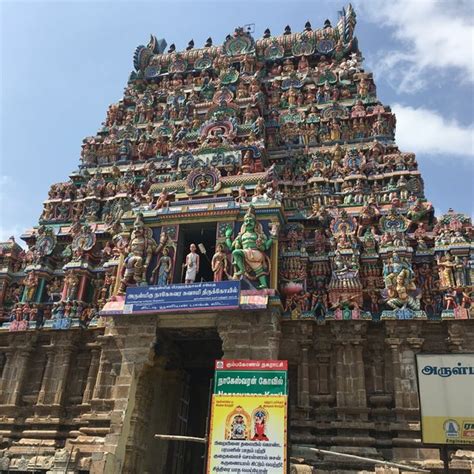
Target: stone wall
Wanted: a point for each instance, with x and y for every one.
(356, 383)
(93, 399)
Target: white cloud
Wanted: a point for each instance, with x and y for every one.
(425, 131)
(436, 36)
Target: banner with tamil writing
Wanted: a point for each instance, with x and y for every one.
(251, 377)
(251, 364)
(248, 424)
(197, 296)
(247, 434)
(253, 382)
(446, 387)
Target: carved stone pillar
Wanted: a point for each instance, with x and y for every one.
(7, 370)
(304, 376)
(394, 344)
(360, 393)
(274, 346)
(409, 370)
(229, 328)
(104, 367)
(404, 348)
(63, 371)
(456, 335)
(127, 349)
(350, 370)
(273, 330)
(99, 382)
(340, 376)
(250, 335)
(21, 363)
(46, 382)
(91, 376)
(136, 440)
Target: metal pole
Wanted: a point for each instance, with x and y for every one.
(360, 458)
(194, 439)
(190, 439)
(445, 458)
(68, 460)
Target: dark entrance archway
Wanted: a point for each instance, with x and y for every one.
(192, 417)
(172, 397)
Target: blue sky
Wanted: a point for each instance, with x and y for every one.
(64, 62)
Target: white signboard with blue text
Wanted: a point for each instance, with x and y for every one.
(446, 383)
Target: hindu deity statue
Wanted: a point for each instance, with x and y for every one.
(248, 249)
(31, 283)
(163, 268)
(219, 263)
(191, 264)
(399, 283)
(260, 416)
(460, 273)
(363, 88)
(139, 253)
(335, 130)
(303, 65)
(247, 163)
(238, 429)
(242, 196)
(446, 271)
(419, 210)
(72, 284)
(162, 201)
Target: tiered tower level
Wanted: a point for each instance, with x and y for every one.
(286, 134)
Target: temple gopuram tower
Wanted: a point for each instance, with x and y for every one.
(265, 163)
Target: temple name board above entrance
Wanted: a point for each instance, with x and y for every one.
(198, 296)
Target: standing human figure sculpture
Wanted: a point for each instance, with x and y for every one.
(248, 249)
(163, 268)
(31, 283)
(219, 263)
(191, 264)
(72, 281)
(242, 197)
(446, 271)
(459, 272)
(139, 254)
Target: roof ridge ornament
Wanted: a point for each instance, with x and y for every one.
(241, 42)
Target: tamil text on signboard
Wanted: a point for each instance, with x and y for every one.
(446, 384)
(255, 377)
(248, 429)
(198, 296)
(248, 434)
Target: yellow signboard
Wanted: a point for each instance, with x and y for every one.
(446, 384)
(247, 434)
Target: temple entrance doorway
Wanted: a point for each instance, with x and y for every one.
(179, 390)
(203, 235)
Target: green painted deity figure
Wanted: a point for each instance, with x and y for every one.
(248, 249)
